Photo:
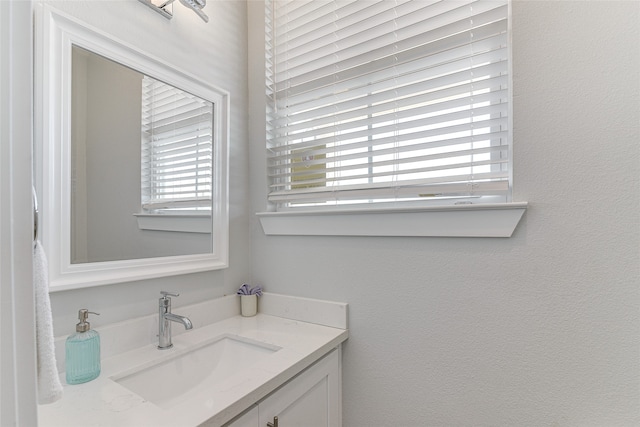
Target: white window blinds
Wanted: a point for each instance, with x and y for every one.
(387, 101)
(176, 148)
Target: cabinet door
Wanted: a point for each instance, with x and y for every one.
(248, 419)
(312, 399)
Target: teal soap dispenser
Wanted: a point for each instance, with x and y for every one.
(82, 351)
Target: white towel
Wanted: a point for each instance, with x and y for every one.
(49, 385)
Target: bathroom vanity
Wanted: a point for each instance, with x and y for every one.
(313, 398)
(230, 370)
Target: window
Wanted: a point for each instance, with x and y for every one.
(177, 139)
(378, 103)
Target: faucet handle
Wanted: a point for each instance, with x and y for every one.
(165, 294)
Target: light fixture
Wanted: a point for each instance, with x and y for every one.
(165, 7)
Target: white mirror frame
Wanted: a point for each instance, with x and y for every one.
(55, 34)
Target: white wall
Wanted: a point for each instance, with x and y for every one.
(215, 52)
(540, 329)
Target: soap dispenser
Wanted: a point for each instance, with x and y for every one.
(82, 352)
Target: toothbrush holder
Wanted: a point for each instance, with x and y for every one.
(248, 305)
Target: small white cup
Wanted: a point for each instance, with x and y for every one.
(248, 305)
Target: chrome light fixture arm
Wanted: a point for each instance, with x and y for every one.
(165, 7)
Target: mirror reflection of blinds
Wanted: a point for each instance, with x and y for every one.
(380, 101)
(176, 148)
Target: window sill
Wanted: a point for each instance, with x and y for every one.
(175, 222)
(488, 220)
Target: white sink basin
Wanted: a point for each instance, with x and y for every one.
(173, 379)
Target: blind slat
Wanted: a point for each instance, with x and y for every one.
(484, 48)
(382, 101)
(397, 87)
(442, 133)
(414, 118)
(386, 156)
(177, 203)
(422, 104)
(341, 55)
(411, 189)
(320, 152)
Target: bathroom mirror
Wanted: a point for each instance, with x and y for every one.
(115, 206)
(113, 108)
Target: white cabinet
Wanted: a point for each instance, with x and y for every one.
(248, 419)
(311, 399)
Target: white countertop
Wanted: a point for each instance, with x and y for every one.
(103, 402)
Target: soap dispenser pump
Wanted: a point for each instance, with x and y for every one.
(82, 351)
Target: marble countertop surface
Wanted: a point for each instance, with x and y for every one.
(104, 402)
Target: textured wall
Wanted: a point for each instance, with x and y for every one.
(216, 53)
(537, 330)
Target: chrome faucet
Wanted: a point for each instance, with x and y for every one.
(164, 317)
